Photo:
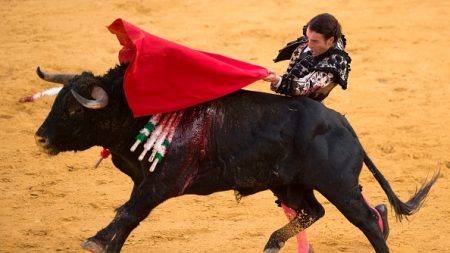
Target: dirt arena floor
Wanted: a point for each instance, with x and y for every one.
(397, 101)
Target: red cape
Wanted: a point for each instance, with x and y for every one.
(164, 76)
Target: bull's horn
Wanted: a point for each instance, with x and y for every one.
(54, 78)
(100, 98)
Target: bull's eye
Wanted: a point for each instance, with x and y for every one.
(75, 111)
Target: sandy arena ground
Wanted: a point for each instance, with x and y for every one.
(397, 101)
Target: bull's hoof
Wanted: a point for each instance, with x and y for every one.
(93, 246)
(273, 248)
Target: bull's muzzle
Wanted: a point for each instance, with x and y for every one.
(43, 144)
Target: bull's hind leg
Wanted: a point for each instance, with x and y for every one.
(308, 210)
(346, 196)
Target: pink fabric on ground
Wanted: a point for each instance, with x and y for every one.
(302, 240)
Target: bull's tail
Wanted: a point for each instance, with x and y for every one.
(402, 210)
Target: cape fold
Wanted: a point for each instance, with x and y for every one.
(163, 76)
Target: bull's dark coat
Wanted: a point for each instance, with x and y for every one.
(246, 141)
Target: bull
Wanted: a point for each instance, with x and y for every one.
(246, 141)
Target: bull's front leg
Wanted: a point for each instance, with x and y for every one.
(144, 198)
(99, 242)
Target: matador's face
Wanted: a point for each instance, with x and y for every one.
(317, 42)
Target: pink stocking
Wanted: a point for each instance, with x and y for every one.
(380, 221)
(302, 240)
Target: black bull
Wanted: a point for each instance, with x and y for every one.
(246, 141)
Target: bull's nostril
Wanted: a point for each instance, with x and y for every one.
(41, 140)
(44, 145)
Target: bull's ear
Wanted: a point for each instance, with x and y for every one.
(54, 78)
(87, 73)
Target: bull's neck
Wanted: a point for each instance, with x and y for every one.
(120, 133)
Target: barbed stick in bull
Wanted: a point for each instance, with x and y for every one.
(154, 136)
(50, 92)
(146, 131)
(161, 131)
(163, 135)
(103, 155)
(162, 149)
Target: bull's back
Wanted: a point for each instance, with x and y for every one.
(254, 132)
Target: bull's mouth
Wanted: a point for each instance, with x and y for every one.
(49, 151)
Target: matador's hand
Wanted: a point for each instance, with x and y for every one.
(272, 77)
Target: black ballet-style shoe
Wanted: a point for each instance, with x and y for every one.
(382, 210)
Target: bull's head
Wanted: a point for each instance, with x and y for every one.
(73, 122)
